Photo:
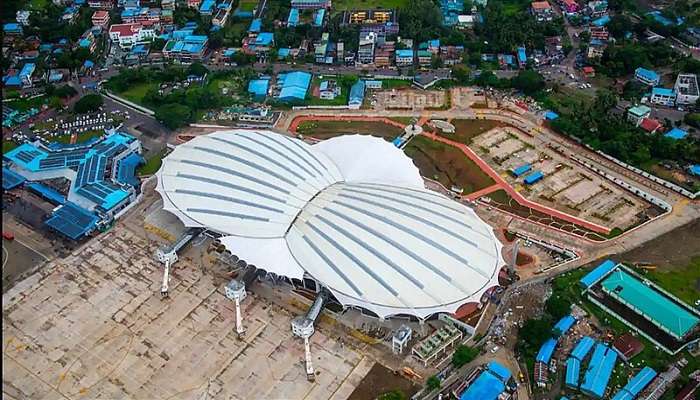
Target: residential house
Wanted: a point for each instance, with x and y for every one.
(451, 9)
(636, 114)
(570, 6)
(357, 95)
(424, 58)
(404, 57)
(328, 90)
(647, 76)
(207, 7)
(70, 14)
(167, 17)
(595, 51)
(319, 17)
(100, 18)
(26, 73)
(127, 35)
(383, 54)
(193, 3)
(522, 57)
(322, 50)
(597, 8)
(650, 125)
(552, 46)
(506, 61)
(588, 72)
(599, 33)
(541, 10)
(365, 49)
(663, 96)
(12, 29)
(340, 52)
(686, 88)
(168, 4)
(141, 15)
(380, 21)
(88, 41)
(451, 55)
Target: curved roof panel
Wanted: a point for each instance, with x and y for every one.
(349, 212)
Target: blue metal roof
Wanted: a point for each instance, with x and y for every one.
(258, 87)
(550, 115)
(11, 179)
(533, 177)
(485, 387)
(126, 169)
(546, 351)
(676, 133)
(646, 74)
(583, 347)
(602, 21)
(72, 220)
(499, 371)
(27, 70)
(264, 39)
(319, 16)
(404, 53)
(598, 273)
(565, 324)
(695, 169)
(207, 6)
(636, 384)
(295, 85)
(521, 170)
(293, 18)
(595, 381)
(522, 56)
(255, 25)
(357, 93)
(663, 91)
(573, 370)
(283, 52)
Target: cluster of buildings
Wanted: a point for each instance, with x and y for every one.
(101, 173)
(684, 92)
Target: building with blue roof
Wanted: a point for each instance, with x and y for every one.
(486, 386)
(573, 372)
(694, 169)
(564, 324)
(258, 88)
(550, 115)
(647, 76)
(404, 57)
(676, 133)
(451, 9)
(190, 48)
(12, 28)
(582, 348)
(663, 96)
(11, 179)
(602, 21)
(663, 20)
(207, 7)
(597, 274)
(265, 39)
(72, 221)
(499, 371)
(25, 74)
(546, 351)
(255, 26)
(357, 95)
(522, 57)
(293, 18)
(283, 52)
(294, 86)
(600, 368)
(533, 178)
(126, 169)
(519, 171)
(319, 17)
(636, 384)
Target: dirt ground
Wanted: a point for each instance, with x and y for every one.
(466, 129)
(328, 129)
(673, 249)
(381, 379)
(446, 164)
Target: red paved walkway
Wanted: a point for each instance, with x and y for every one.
(512, 192)
(483, 192)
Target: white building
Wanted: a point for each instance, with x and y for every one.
(686, 89)
(365, 50)
(350, 213)
(127, 35)
(663, 97)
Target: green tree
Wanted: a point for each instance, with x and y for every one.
(173, 115)
(557, 306)
(528, 81)
(421, 20)
(392, 395)
(432, 383)
(88, 103)
(197, 69)
(464, 355)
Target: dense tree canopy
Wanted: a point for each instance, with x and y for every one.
(173, 115)
(88, 103)
(464, 355)
(528, 81)
(421, 20)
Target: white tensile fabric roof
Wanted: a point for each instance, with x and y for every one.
(350, 212)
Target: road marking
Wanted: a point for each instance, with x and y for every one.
(6, 255)
(33, 249)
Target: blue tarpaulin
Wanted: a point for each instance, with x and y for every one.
(533, 177)
(523, 169)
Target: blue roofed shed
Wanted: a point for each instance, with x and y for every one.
(523, 169)
(550, 115)
(255, 25)
(72, 221)
(264, 39)
(595, 381)
(294, 85)
(258, 87)
(602, 21)
(676, 133)
(546, 351)
(573, 370)
(565, 324)
(694, 169)
(357, 94)
(636, 384)
(11, 179)
(485, 387)
(293, 18)
(522, 56)
(533, 178)
(597, 274)
(583, 347)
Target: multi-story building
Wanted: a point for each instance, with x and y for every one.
(141, 15)
(191, 48)
(365, 49)
(100, 18)
(70, 14)
(596, 8)
(541, 10)
(207, 7)
(383, 54)
(168, 4)
(424, 58)
(570, 6)
(221, 15)
(599, 33)
(88, 41)
(647, 76)
(663, 96)
(193, 3)
(321, 50)
(127, 35)
(101, 4)
(686, 88)
(636, 114)
(404, 57)
(384, 22)
(311, 4)
(451, 55)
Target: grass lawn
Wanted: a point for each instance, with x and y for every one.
(82, 137)
(446, 164)
(247, 5)
(152, 164)
(682, 282)
(468, 129)
(37, 5)
(340, 100)
(394, 83)
(341, 5)
(27, 103)
(328, 129)
(402, 120)
(8, 145)
(137, 92)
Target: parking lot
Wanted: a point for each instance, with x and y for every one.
(409, 99)
(566, 186)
